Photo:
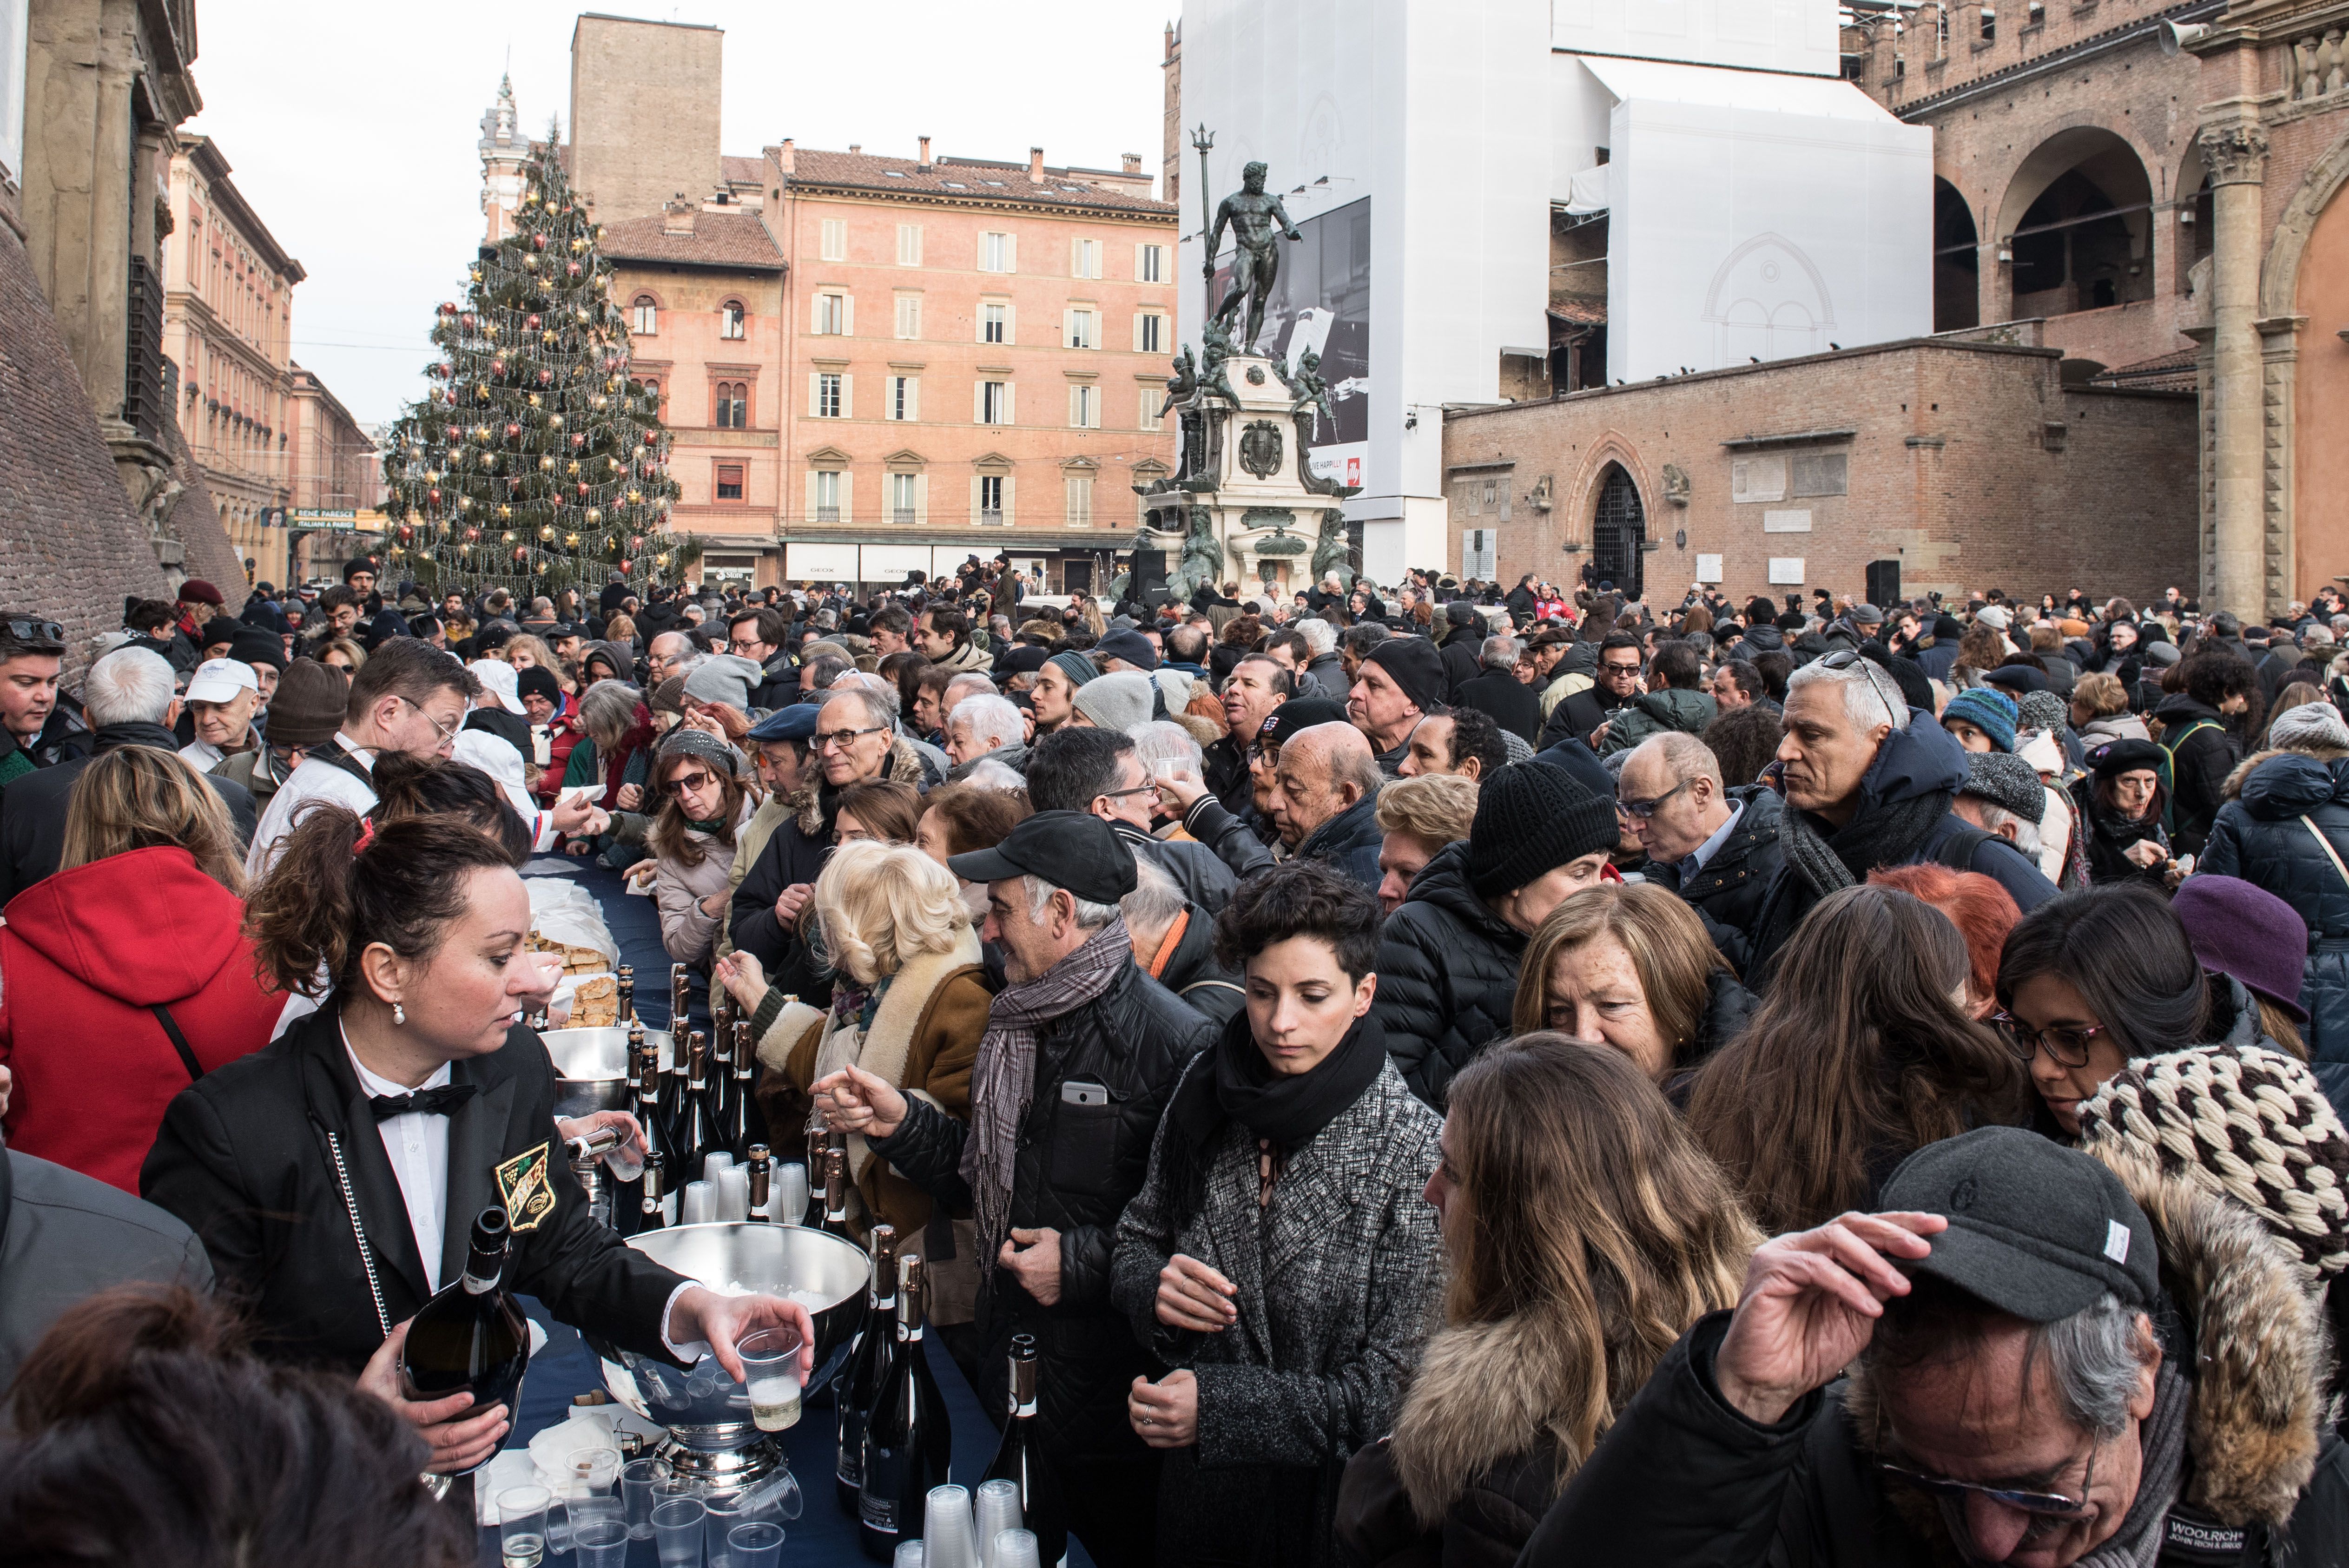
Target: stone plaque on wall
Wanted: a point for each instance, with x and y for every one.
(1787, 569)
(1791, 522)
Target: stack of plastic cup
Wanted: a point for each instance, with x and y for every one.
(700, 1204)
(1015, 1549)
(910, 1554)
(996, 1509)
(787, 1199)
(733, 1192)
(946, 1527)
(713, 1162)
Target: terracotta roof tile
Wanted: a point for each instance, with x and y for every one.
(719, 240)
(967, 179)
(743, 171)
(1574, 311)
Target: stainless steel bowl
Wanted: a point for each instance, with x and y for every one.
(591, 1067)
(710, 1413)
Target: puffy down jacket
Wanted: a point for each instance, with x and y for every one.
(1447, 976)
(2260, 837)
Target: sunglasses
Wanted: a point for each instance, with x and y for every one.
(2052, 1504)
(1845, 658)
(36, 632)
(1643, 809)
(695, 782)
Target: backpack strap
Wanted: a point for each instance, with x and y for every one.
(180, 1041)
(2326, 845)
(1957, 850)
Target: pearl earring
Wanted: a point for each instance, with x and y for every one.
(399, 1013)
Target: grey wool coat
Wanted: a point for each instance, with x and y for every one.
(1338, 1282)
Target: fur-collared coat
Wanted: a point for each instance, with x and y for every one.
(1683, 1478)
(1336, 1282)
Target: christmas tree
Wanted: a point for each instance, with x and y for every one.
(536, 463)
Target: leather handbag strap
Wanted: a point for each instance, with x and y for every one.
(180, 1041)
(2326, 845)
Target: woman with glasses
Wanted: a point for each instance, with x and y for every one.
(1861, 1054)
(2090, 981)
(1584, 1232)
(702, 808)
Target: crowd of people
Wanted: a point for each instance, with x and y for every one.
(1442, 1074)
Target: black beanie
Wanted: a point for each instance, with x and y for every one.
(1531, 818)
(539, 681)
(1415, 666)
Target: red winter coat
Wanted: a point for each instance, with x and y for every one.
(84, 956)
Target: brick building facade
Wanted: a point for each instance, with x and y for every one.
(1968, 463)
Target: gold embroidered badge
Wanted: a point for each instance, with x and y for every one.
(528, 1192)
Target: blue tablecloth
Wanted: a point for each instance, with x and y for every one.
(822, 1534)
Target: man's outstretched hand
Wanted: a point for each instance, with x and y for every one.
(1810, 1305)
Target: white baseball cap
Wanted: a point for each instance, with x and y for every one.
(219, 680)
(498, 679)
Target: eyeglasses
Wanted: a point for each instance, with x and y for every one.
(2042, 1502)
(29, 631)
(697, 782)
(839, 740)
(445, 731)
(1121, 794)
(1267, 755)
(2066, 1044)
(1614, 667)
(1643, 809)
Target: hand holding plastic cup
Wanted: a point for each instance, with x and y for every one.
(770, 1374)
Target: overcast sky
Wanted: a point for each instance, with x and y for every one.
(352, 129)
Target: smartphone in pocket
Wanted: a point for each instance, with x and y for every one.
(1078, 1092)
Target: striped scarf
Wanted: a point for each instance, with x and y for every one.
(1003, 1079)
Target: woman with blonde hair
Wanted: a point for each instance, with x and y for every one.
(1628, 965)
(1586, 1231)
(527, 650)
(342, 654)
(127, 973)
(907, 1006)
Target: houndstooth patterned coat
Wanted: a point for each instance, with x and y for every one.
(1337, 1284)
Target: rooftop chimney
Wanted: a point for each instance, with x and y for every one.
(1036, 165)
(1132, 161)
(678, 215)
(855, 148)
(925, 152)
(786, 157)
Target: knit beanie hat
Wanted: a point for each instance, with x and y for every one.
(1993, 615)
(2040, 710)
(309, 705)
(1076, 666)
(539, 681)
(2242, 1122)
(1129, 646)
(669, 697)
(723, 678)
(1416, 666)
(1531, 818)
(2006, 781)
(2309, 725)
(1991, 712)
(256, 646)
(1116, 702)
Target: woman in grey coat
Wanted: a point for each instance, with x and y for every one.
(1281, 1256)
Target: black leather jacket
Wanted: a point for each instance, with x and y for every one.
(1078, 1166)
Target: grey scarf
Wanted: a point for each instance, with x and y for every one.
(1884, 835)
(1003, 1079)
(2138, 1543)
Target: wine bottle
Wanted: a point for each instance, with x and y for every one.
(680, 998)
(742, 1117)
(763, 1181)
(471, 1337)
(657, 1207)
(908, 1446)
(871, 1356)
(657, 1136)
(693, 1128)
(835, 1193)
(1021, 1459)
(626, 1018)
(817, 1143)
(587, 1169)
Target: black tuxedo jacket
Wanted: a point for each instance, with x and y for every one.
(247, 1159)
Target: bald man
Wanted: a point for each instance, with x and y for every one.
(1325, 796)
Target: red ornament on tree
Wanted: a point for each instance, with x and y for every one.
(571, 268)
(432, 497)
(547, 378)
(531, 322)
(497, 367)
(635, 541)
(448, 307)
(406, 533)
(521, 553)
(538, 241)
(513, 432)
(472, 535)
(466, 321)
(626, 567)
(577, 441)
(582, 492)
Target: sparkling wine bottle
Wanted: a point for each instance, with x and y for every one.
(472, 1337)
(656, 1206)
(626, 1018)
(1019, 1459)
(836, 1193)
(744, 1119)
(693, 1126)
(908, 1446)
(871, 1356)
(817, 1141)
(656, 1125)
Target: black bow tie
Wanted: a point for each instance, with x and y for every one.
(427, 1102)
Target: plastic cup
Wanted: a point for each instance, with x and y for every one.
(565, 1520)
(770, 1374)
(755, 1546)
(677, 1530)
(947, 1526)
(602, 1544)
(787, 1199)
(1015, 1549)
(592, 1473)
(910, 1554)
(733, 1192)
(700, 1204)
(522, 1525)
(723, 1514)
(995, 1509)
(715, 1161)
(637, 1478)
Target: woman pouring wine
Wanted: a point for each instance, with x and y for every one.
(334, 1177)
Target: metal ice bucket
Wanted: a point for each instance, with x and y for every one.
(591, 1067)
(707, 1413)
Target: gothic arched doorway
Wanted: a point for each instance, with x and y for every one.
(1617, 531)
